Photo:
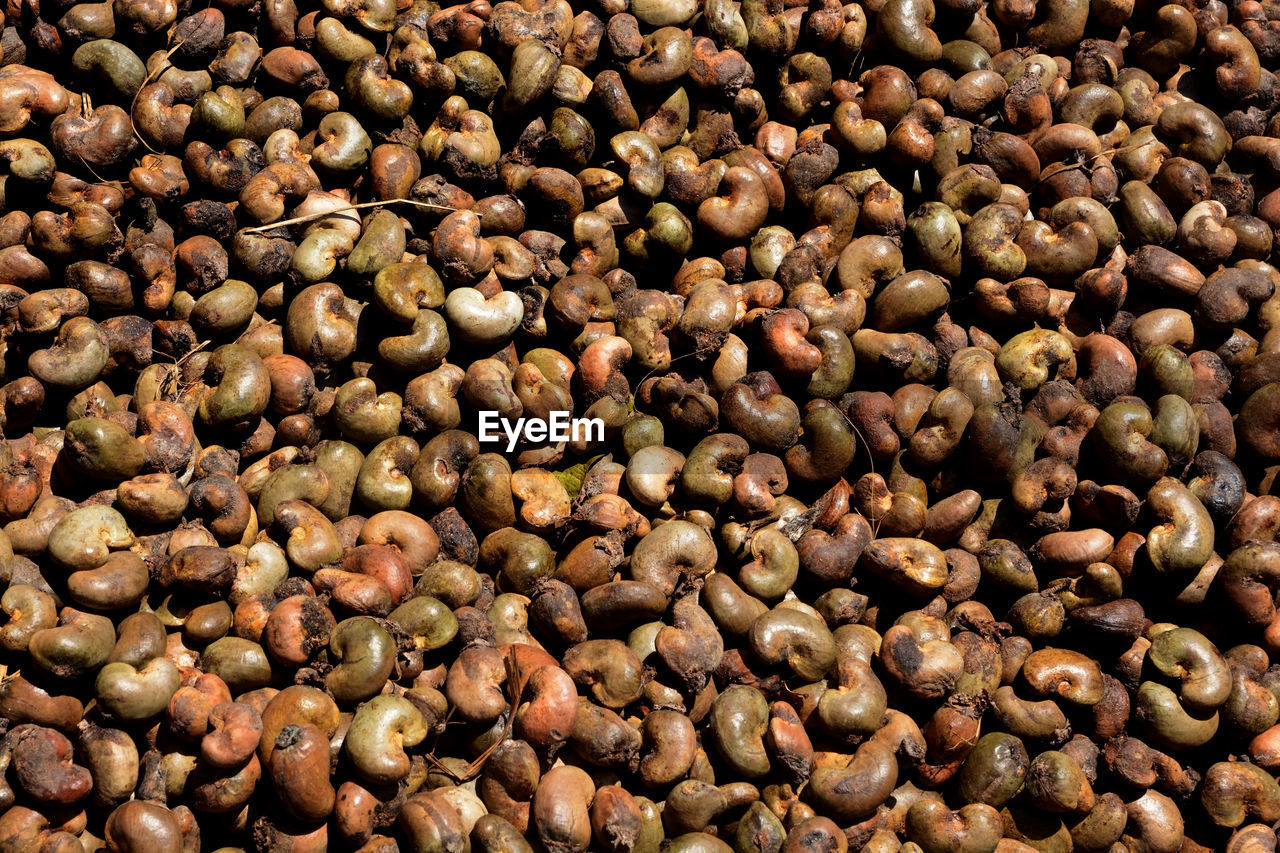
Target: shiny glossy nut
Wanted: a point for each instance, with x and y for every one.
(911, 564)
(132, 695)
(299, 770)
(381, 729)
(789, 635)
(1068, 674)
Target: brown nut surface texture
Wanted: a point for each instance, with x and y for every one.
(639, 426)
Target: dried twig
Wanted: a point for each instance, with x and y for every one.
(172, 386)
(1087, 161)
(159, 69)
(321, 214)
(516, 681)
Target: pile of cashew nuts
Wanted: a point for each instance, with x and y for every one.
(933, 353)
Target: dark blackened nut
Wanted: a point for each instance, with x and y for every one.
(42, 762)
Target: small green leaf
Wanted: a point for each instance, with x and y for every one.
(573, 476)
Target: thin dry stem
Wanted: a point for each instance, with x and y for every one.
(297, 220)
